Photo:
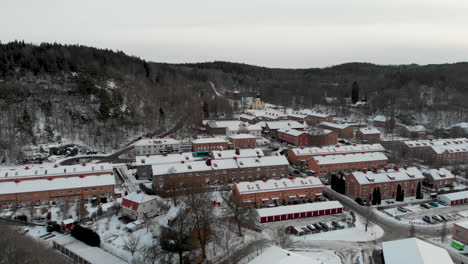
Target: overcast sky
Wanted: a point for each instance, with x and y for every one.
(273, 33)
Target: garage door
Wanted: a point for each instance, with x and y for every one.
(277, 218)
(284, 217)
(303, 215)
(270, 219)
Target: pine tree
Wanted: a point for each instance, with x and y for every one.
(398, 193)
(374, 196)
(355, 92)
(419, 194)
(379, 196)
(402, 195)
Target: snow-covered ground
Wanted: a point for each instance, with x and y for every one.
(322, 256)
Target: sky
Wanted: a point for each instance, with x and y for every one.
(271, 33)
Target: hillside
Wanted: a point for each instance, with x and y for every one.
(59, 94)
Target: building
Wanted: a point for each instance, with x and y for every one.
(277, 255)
(267, 114)
(82, 253)
(282, 213)
(43, 185)
(438, 152)
(312, 117)
(219, 171)
(298, 155)
(257, 103)
(237, 153)
(418, 131)
(383, 121)
(249, 118)
(255, 130)
(294, 137)
(272, 127)
(454, 198)
(243, 141)
(140, 206)
(324, 165)
(143, 163)
(343, 130)
(207, 144)
(67, 224)
(360, 184)
(263, 193)
(414, 250)
(156, 146)
(438, 178)
(368, 134)
(322, 137)
(460, 232)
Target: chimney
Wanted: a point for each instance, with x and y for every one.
(26, 168)
(237, 151)
(55, 166)
(83, 164)
(138, 191)
(165, 154)
(151, 137)
(364, 170)
(385, 169)
(437, 168)
(395, 168)
(235, 158)
(147, 155)
(376, 170)
(259, 156)
(183, 161)
(405, 167)
(208, 162)
(265, 180)
(180, 153)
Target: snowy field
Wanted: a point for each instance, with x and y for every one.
(322, 256)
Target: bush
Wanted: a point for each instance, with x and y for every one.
(21, 218)
(359, 201)
(86, 235)
(147, 190)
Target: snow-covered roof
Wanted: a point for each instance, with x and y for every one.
(254, 127)
(25, 186)
(338, 149)
(156, 141)
(68, 221)
(435, 142)
(414, 250)
(246, 116)
(140, 197)
(171, 215)
(439, 174)
(349, 158)
(53, 170)
(334, 125)
(262, 162)
(224, 164)
(278, 185)
(457, 148)
(292, 132)
(231, 125)
(314, 113)
(266, 113)
(162, 159)
(454, 196)
(463, 125)
(298, 208)
(284, 124)
(94, 255)
(208, 140)
(243, 153)
(415, 129)
(277, 255)
(369, 131)
(463, 224)
(380, 118)
(192, 166)
(300, 116)
(242, 136)
(317, 131)
(391, 175)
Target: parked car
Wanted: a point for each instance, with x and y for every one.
(317, 226)
(434, 204)
(443, 218)
(325, 226)
(335, 224)
(442, 203)
(423, 205)
(402, 209)
(437, 219)
(427, 219)
(310, 172)
(311, 228)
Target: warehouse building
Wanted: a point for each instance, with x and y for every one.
(282, 213)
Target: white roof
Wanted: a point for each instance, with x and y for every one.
(457, 148)
(310, 112)
(439, 174)
(415, 129)
(53, 170)
(463, 224)
(337, 149)
(262, 162)
(25, 186)
(285, 124)
(140, 197)
(246, 116)
(68, 221)
(454, 196)
(241, 136)
(298, 208)
(224, 164)
(292, 132)
(382, 176)
(334, 125)
(277, 255)
(278, 185)
(94, 255)
(266, 113)
(349, 158)
(231, 125)
(171, 215)
(369, 131)
(192, 166)
(414, 251)
(156, 141)
(163, 159)
(230, 153)
(380, 118)
(435, 142)
(254, 127)
(317, 131)
(208, 140)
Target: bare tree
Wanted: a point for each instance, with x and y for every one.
(242, 215)
(172, 186)
(282, 238)
(412, 230)
(176, 237)
(132, 243)
(443, 232)
(151, 254)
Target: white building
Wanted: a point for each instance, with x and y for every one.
(414, 250)
(143, 163)
(156, 146)
(138, 206)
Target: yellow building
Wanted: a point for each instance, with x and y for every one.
(257, 103)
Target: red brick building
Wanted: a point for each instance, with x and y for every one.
(438, 152)
(206, 144)
(243, 141)
(294, 137)
(360, 184)
(322, 137)
(343, 130)
(460, 232)
(266, 192)
(323, 165)
(272, 127)
(40, 185)
(438, 178)
(383, 121)
(311, 117)
(368, 134)
(298, 155)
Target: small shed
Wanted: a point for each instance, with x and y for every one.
(67, 224)
(454, 198)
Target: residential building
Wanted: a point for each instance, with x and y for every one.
(324, 165)
(220, 171)
(413, 250)
(282, 213)
(255, 130)
(140, 206)
(294, 137)
(460, 232)
(257, 103)
(343, 130)
(156, 146)
(322, 137)
(263, 193)
(272, 127)
(143, 163)
(207, 144)
(237, 153)
(438, 152)
(383, 121)
(243, 141)
(298, 155)
(360, 184)
(313, 117)
(418, 131)
(438, 178)
(368, 134)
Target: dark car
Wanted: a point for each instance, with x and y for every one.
(437, 218)
(323, 225)
(443, 218)
(427, 219)
(335, 224)
(317, 226)
(434, 204)
(310, 173)
(402, 209)
(311, 228)
(423, 205)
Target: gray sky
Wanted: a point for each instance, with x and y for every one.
(273, 33)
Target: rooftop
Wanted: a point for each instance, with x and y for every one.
(334, 125)
(414, 250)
(208, 140)
(53, 170)
(284, 124)
(349, 158)
(455, 196)
(242, 136)
(161, 159)
(338, 149)
(439, 174)
(140, 197)
(243, 153)
(380, 118)
(292, 132)
(435, 142)
(277, 185)
(463, 224)
(391, 175)
(369, 131)
(277, 255)
(157, 141)
(298, 208)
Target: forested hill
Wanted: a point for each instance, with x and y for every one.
(70, 93)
